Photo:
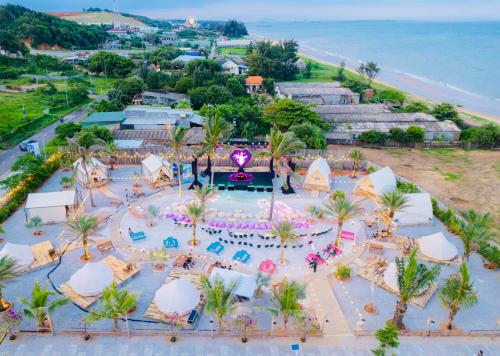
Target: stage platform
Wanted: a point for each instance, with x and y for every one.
(262, 182)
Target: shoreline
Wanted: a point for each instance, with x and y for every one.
(467, 104)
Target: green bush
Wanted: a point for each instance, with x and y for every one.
(407, 187)
(373, 137)
(491, 253)
(343, 272)
(391, 95)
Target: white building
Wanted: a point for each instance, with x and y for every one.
(53, 207)
(234, 66)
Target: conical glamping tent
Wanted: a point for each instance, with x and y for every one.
(437, 247)
(97, 172)
(318, 176)
(156, 170)
(377, 183)
(21, 253)
(418, 211)
(91, 279)
(179, 296)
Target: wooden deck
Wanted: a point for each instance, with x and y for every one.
(41, 255)
(120, 275)
(373, 272)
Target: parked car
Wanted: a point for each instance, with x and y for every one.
(23, 146)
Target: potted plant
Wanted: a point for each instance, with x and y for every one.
(263, 280)
(9, 323)
(153, 212)
(35, 224)
(174, 317)
(243, 322)
(66, 182)
(343, 272)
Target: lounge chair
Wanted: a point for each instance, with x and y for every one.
(137, 236)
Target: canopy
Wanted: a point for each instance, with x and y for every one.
(418, 211)
(377, 183)
(91, 279)
(96, 170)
(153, 165)
(246, 284)
(391, 277)
(21, 253)
(51, 199)
(318, 176)
(179, 296)
(437, 247)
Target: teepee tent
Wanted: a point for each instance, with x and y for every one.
(418, 211)
(155, 169)
(97, 172)
(318, 176)
(21, 253)
(91, 279)
(377, 183)
(437, 247)
(179, 296)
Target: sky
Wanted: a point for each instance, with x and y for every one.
(288, 10)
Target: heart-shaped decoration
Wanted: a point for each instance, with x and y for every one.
(241, 157)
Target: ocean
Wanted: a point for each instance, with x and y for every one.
(457, 62)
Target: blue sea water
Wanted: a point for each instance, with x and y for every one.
(461, 55)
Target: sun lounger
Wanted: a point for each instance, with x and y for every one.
(137, 236)
(241, 256)
(171, 242)
(215, 247)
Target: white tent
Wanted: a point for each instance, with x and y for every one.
(391, 277)
(97, 172)
(437, 247)
(418, 211)
(156, 169)
(377, 183)
(179, 296)
(318, 176)
(21, 253)
(246, 284)
(52, 207)
(91, 279)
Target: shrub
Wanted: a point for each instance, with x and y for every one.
(373, 137)
(392, 95)
(416, 106)
(415, 134)
(407, 187)
(343, 272)
(444, 111)
(491, 253)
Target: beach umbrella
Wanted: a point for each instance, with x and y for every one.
(91, 279)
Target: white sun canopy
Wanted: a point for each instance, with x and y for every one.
(378, 183)
(51, 207)
(437, 247)
(318, 176)
(246, 284)
(418, 211)
(21, 253)
(91, 279)
(179, 296)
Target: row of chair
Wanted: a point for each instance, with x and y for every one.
(244, 243)
(211, 231)
(239, 235)
(322, 232)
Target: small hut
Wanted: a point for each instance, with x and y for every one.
(52, 207)
(157, 171)
(377, 183)
(318, 176)
(97, 172)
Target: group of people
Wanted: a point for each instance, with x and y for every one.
(188, 262)
(218, 264)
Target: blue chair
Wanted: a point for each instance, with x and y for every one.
(137, 236)
(171, 242)
(241, 256)
(215, 247)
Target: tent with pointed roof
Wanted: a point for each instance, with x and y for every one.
(21, 253)
(97, 172)
(318, 176)
(437, 247)
(156, 169)
(377, 183)
(417, 212)
(178, 296)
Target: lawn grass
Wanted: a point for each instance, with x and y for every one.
(452, 176)
(240, 51)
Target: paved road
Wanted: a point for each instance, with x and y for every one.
(7, 158)
(197, 346)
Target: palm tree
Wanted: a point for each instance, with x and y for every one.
(388, 338)
(474, 228)
(286, 233)
(262, 280)
(392, 202)
(371, 70)
(285, 300)
(84, 225)
(413, 279)
(220, 298)
(280, 145)
(153, 212)
(203, 194)
(35, 223)
(217, 130)
(178, 139)
(337, 195)
(343, 210)
(8, 271)
(457, 293)
(40, 305)
(110, 148)
(194, 212)
(116, 304)
(357, 157)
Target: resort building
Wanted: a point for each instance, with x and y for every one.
(111, 119)
(316, 93)
(141, 138)
(253, 84)
(233, 65)
(159, 98)
(169, 38)
(140, 117)
(333, 112)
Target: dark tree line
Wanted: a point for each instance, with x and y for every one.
(273, 61)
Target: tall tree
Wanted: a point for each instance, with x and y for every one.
(413, 279)
(41, 305)
(286, 112)
(195, 212)
(286, 233)
(221, 300)
(217, 130)
(83, 226)
(111, 148)
(203, 195)
(116, 304)
(387, 337)
(393, 202)
(357, 157)
(343, 210)
(285, 300)
(280, 146)
(178, 139)
(371, 71)
(9, 270)
(458, 292)
(474, 228)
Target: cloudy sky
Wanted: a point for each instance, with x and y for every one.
(448, 10)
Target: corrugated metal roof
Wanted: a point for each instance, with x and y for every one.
(195, 135)
(113, 116)
(307, 85)
(351, 109)
(378, 117)
(360, 127)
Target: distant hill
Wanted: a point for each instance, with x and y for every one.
(41, 30)
(99, 18)
(126, 18)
